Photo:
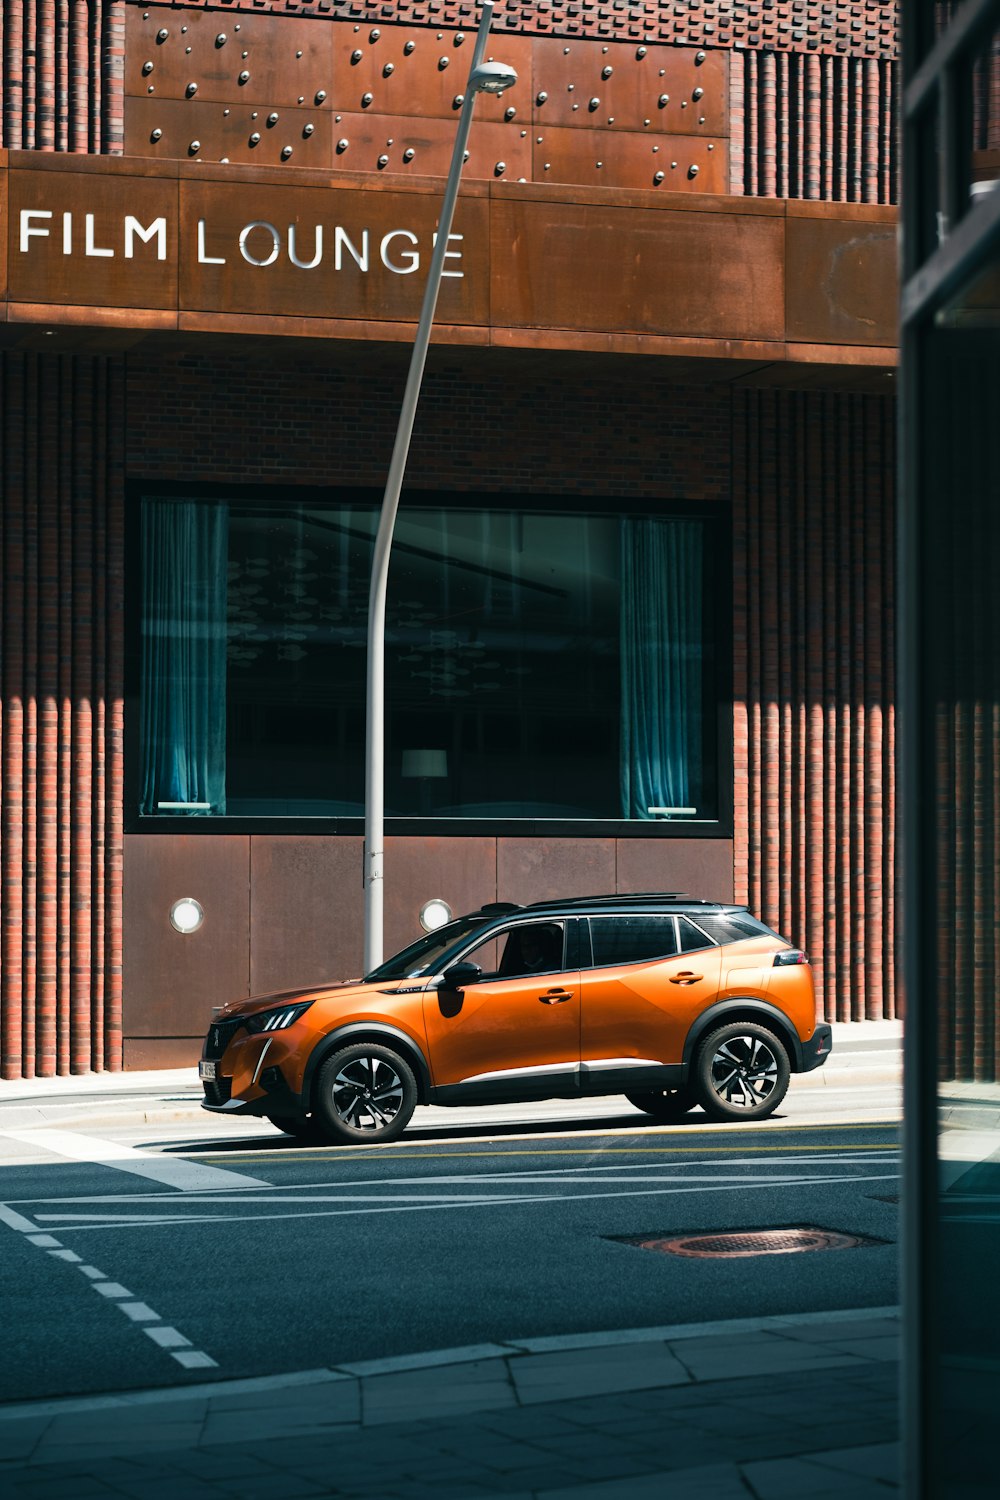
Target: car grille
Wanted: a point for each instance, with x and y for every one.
(218, 1092)
(220, 1034)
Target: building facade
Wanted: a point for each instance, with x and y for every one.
(641, 611)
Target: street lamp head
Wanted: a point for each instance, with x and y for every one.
(491, 78)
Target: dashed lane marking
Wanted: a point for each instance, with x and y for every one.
(179, 1347)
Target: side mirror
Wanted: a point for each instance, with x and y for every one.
(459, 976)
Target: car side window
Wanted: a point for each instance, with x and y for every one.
(632, 939)
(528, 948)
(691, 937)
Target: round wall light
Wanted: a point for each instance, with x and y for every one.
(186, 915)
(435, 913)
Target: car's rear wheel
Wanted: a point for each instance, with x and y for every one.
(365, 1092)
(665, 1104)
(741, 1073)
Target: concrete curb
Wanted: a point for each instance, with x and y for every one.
(769, 1346)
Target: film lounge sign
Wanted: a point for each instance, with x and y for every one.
(238, 248)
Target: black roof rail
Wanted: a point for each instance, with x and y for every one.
(497, 908)
(614, 899)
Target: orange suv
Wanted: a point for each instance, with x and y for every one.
(669, 1001)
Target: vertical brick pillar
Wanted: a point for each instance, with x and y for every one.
(62, 467)
(62, 75)
(813, 684)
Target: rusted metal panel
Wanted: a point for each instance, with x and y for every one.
(90, 239)
(674, 163)
(532, 869)
(394, 70)
(205, 130)
(291, 251)
(250, 61)
(423, 148)
(462, 871)
(718, 274)
(695, 867)
(172, 980)
(660, 90)
(306, 909)
(841, 280)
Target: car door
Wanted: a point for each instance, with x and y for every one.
(638, 997)
(513, 1034)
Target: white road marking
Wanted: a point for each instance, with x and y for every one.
(111, 1289)
(172, 1171)
(43, 1241)
(389, 1205)
(167, 1338)
(139, 1312)
(16, 1221)
(69, 1255)
(194, 1359)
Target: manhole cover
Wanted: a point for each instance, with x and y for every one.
(751, 1242)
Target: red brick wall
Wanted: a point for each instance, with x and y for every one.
(62, 75)
(814, 775)
(61, 464)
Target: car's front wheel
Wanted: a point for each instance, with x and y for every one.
(365, 1092)
(741, 1073)
(665, 1104)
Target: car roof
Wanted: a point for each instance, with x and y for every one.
(645, 901)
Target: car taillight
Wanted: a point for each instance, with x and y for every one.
(790, 956)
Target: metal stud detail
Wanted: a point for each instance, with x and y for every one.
(699, 57)
(607, 71)
(658, 177)
(692, 170)
(286, 152)
(254, 139)
(155, 135)
(307, 130)
(357, 55)
(443, 63)
(541, 98)
(409, 154)
(388, 70)
(221, 39)
(320, 95)
(244, 77)
(458, 101)
(272, 118)
(194, 147)
(342, 144)
(191, 90)
(663, 100)
(383, 161)
(366, 99)
(640, 53)
(147, 68)
(509, 112)
(162, 34)
(499, 169)
(374, 34)
(408, 47)
(697, 93)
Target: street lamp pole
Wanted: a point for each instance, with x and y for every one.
(491, 78)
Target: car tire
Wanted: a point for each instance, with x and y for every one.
(303, 1128)
(665, 1104)
(741, 1073)
(365, 1093)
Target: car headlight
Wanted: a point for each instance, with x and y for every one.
(276, 1020)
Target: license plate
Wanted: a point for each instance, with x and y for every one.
(207, 1071)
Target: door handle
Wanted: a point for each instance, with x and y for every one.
(555, 997)
(685, 977)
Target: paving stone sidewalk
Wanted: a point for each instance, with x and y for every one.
(797, 1408)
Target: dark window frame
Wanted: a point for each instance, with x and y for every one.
(718, 557)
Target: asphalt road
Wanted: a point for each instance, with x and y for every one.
(226, 1256)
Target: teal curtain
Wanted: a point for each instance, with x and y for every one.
(183, 716)
(661, 664)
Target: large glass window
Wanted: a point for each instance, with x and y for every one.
(540, 663)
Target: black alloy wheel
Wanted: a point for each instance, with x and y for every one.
(365, 1092)
(665, 1104)
(742, 1072)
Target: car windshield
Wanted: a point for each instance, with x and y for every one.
(423, 956)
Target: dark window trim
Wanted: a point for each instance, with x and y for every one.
(719, 572)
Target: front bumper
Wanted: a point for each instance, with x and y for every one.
(816, 1051)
